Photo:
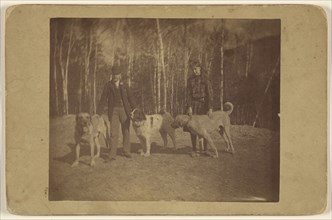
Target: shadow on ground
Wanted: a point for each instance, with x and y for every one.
(135, 148)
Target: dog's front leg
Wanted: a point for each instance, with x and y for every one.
(142, 141)
(172, 135)
(96, 140)
(164, 137)
(77, 160)
(148, 146)
(92, 149)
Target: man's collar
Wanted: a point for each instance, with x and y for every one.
(116, 84)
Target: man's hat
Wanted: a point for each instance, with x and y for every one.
(116, 70)
(196, 64)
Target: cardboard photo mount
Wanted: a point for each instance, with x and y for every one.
(303, 110)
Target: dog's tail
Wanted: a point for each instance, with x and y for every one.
(230, 108)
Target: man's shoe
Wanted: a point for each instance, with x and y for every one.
(108, 160)
(194, 154)
(127, 155)
(206, 153)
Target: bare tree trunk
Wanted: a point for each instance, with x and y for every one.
(80, 93)
(88, 49)
(235, 57)
(162, 59)
(171, 74)
(154, 88)
(200, 60)
(158, 85)
(186, 69)
(62, 69)
(94, 81)
(251, 54)
(55, 71)
(65, 95)
(142, 95)
(248, 57)
(131, 54)
(172, 94)
(117, 28)
(170, 77)
(130, 63)
(209, 64)
(222, 71)
(187, 53)
(247, 61)
(205, 62)
(65, 89)
(266, 89)
(176, 96)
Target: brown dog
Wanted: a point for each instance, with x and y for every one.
(87, 131)
(203, 125)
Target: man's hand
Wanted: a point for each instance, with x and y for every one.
(209, 112)
(190, 111)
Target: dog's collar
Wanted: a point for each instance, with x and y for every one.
(83, 129)
(185, 124)
(138, 123)
(133, 111)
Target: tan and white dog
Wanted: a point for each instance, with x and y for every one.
(87, 132)
(203, 125)
(146, 125)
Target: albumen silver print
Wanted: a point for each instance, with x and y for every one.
(164, 109)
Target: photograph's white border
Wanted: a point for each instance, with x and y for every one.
(326, 4)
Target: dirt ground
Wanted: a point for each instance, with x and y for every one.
(252, 174)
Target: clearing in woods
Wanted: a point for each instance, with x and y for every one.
(252, 174)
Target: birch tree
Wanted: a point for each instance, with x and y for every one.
(94, 79)
(64, 65)
(222, 69)
(186, 57)
(87, 57)
(55, 70)
(162, 62)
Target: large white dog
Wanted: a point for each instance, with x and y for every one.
(146, 125)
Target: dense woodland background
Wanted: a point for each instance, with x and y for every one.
(240, 57)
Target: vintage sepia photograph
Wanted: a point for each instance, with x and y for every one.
(151, 109)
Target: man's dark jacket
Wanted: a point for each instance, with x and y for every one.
(199, 88)
(107, 99)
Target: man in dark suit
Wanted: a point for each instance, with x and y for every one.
(119, 100)
(199, 100)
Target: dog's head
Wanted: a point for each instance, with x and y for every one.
(137, 115)
(180, 121)
(83, 119)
